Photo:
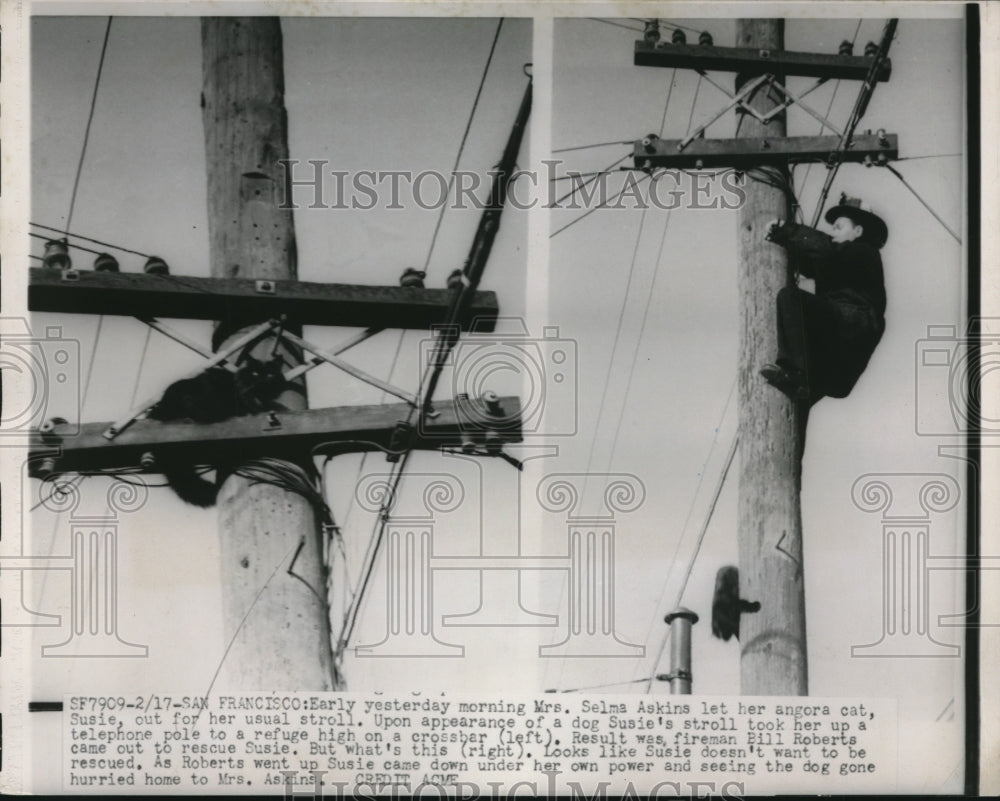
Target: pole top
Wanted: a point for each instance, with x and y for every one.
(681, 612)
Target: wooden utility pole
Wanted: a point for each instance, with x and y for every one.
(771, 429)
(284, 641)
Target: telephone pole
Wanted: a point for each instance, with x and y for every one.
(771, 428)
(279, 624)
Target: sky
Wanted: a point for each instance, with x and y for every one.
(394, 94)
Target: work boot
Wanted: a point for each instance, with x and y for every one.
(791, 382)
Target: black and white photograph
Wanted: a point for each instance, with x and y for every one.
(414, 398)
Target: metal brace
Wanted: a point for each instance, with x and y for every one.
(739, 98)
(252, 336)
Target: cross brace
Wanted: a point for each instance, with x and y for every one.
(283, 434)
(746, 153)
(305, 303)
(748, 59)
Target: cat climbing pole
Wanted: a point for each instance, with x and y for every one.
(284, 644)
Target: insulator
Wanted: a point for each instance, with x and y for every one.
(105, 263)
(649, 142)
(57, 255)
(468, 446)
(492, 403)
(493, 443)
(412, 277)
(883, 137)
(846, 48)
(47, 467)
(705, 38)
(49, 426)
(871, 49)
(678, 37)
(652, 32)
(455, 280)
(147, 460)
(156, 266)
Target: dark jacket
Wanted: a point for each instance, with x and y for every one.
(846, 320)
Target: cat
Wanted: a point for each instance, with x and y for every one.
(727, 606)
(212, 397)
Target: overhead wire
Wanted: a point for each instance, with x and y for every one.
(595, 145)
(598, 686)
(471, 274)
(88, 239)
(924, 203)
(615, 24)
(697, 549)
(73, 196)
(593, 177)
(860, 106)
(599, 206)
(465, 136)
(621, 318)
(90, 120)
(833, 98)
(68, 244)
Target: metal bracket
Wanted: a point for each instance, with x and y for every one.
(272, 423)
(399, 441)
(677, 674)
(252, 336)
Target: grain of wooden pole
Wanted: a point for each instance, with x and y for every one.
(771, 428)
(282, 636)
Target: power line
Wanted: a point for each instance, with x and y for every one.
(924, 203)
(666, 105)
(353, 607)
(697, 548)
(599, 206)
(931, 156)
(90, 119)
(58, 488)
(860, 106)
(596, 144)
(621, 318)
(833, 97)
(465, 135)
(690, 512)
(88, 239)
(599, 686)
(593, 177)
(616, 24)
(75, 247)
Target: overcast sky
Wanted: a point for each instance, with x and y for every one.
(395, 95)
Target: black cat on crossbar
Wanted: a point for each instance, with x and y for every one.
(211, 397)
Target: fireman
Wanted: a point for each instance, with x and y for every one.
(826, 338)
